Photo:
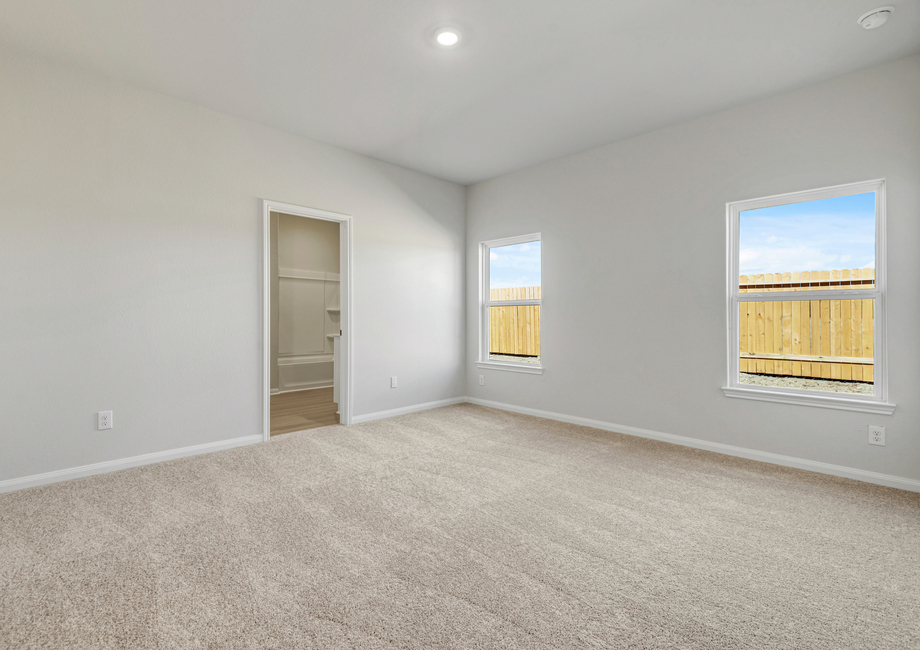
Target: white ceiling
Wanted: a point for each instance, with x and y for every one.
(531, 80)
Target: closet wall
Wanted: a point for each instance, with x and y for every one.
(305, 301)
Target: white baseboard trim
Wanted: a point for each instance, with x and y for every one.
(888, 480)
(866, 476)
(35, 480)
(295, 389)
(380, 415)
(305, 385)
(304, 359)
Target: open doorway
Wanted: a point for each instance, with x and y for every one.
(306, 319)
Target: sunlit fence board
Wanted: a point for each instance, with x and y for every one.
(515, 329)
(826, 339)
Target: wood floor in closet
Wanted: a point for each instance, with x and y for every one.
(302, 409)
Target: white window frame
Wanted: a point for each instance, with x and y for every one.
(877, 403)
(485, 303)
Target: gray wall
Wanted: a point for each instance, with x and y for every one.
(634, 234)
(130, 269)
(308, 244)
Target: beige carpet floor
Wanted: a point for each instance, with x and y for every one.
(462, 527)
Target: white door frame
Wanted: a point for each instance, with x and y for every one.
(345, 347)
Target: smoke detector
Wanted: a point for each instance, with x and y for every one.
(875, 18)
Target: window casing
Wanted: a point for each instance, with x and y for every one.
(838, 292)
(487, 305)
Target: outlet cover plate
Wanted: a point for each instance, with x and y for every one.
(104, 420)
(876, 435)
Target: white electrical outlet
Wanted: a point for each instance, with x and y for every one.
(392, 382)
(104, 420)
(876, 435)
(482, 380)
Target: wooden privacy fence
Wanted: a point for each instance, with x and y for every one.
(515, 330)
(827, 339)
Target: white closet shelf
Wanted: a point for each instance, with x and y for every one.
(302, 274)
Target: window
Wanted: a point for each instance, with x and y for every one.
(806, 298)
(511, 297)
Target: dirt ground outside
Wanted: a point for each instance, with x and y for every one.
(808, 383)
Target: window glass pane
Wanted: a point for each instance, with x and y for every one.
(514, 333)
(822, 345)
(514, 272)
(809, 245)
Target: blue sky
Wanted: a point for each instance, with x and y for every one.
(517, 265)
(827, 234)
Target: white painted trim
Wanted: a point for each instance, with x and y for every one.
(380, 415)
(336, 368)
(833, 191)
(300, 390)
(306, 385)
(511, 241)
(866, 476)
(806, 296)
(301, 359)
(513, 303)
(346, 276)
(526, 368)
(122, 463)
(764, 394)
(312, 385)
(876, 478)
(735, 388)
(298, 274)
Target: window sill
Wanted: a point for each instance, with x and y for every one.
(526, 368)
(820, 401)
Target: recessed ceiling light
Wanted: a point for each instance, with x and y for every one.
(875, 18)
(447, 37)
